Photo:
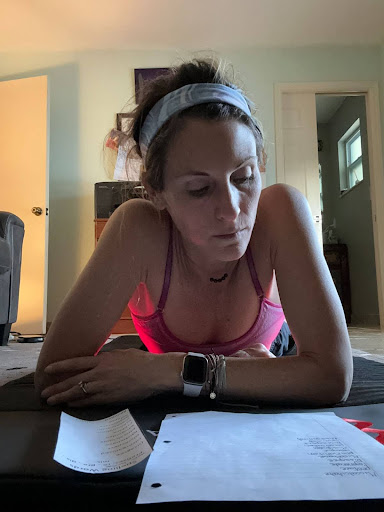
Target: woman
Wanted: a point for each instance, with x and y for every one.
(210, 266)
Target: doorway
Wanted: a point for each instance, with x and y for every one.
(24, 131)
(346, 209)
(296, 127)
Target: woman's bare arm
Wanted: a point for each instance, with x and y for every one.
(102, 291)
(321, 373)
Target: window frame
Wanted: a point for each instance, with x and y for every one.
(351, 166)
(345, 168)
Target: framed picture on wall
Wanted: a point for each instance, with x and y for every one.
(123, 120)
(144, 74)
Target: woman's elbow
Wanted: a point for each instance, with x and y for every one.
(343, 388)
(338, 386)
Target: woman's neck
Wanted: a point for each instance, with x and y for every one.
(194, 266)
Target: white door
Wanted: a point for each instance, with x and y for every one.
(300, 161)
(24, 186)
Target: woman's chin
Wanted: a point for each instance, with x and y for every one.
(236, 242)
(233, 251)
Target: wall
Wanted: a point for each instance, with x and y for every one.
(381, 90)
(87, 89)
(352, 211)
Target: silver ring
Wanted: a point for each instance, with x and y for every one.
(83, 386)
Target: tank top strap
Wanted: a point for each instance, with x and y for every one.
(168, 270)
(252, 270)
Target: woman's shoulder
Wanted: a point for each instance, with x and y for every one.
(280, 210)
(284, 219)
(278, 204)
(278, 196)
(144, 224)
(143, 215)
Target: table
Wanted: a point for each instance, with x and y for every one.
(29, 475)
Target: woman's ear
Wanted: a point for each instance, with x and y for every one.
(155, 196)
(158, 200)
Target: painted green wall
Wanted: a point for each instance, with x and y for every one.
(87, 89)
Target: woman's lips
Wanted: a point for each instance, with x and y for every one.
(231, 235)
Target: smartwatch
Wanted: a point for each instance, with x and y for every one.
(194, 373)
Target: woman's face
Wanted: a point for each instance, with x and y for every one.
(212, 186)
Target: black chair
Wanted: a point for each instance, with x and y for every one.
(11, 242)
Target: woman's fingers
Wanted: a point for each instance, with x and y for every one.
(240, 353)
(76, 364)
(67, 384)
(257, 350)
(76, 393)
(260, 350)
(111, 377)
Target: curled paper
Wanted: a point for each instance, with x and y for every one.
(128, 164)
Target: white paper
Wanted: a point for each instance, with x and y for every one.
(126, 169)
(223, 456)
(101, 446)
(120, 172)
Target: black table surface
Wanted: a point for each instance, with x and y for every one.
(29, 476)
(28, 440)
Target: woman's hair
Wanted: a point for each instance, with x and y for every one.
(194, 71)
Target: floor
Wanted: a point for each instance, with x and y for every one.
(367, 342)
(19, 359)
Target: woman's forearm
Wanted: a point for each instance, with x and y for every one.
(294, 379)
(133, 375)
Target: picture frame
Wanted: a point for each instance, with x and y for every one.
(143, 75)
(123, 120)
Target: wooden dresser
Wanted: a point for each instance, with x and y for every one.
(125, 324)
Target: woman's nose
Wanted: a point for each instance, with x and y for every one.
(227, 205)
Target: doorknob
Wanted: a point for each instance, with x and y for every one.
(37, 210)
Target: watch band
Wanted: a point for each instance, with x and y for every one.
(192, 389)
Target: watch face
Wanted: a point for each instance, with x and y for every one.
(195, 369)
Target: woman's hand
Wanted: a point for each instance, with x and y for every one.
(258, 350)
(119, 375)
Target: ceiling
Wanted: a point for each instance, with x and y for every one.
(327, 105)
(80, 25)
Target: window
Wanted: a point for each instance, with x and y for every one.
(350, 158)
(354, 159)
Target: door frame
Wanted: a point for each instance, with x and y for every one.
(375, 155)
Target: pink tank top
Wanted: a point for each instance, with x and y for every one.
(159, 339)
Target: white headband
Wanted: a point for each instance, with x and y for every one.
(183, 98)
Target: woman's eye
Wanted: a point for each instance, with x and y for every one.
(246, 179)
(239, 181)
(198, 193)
